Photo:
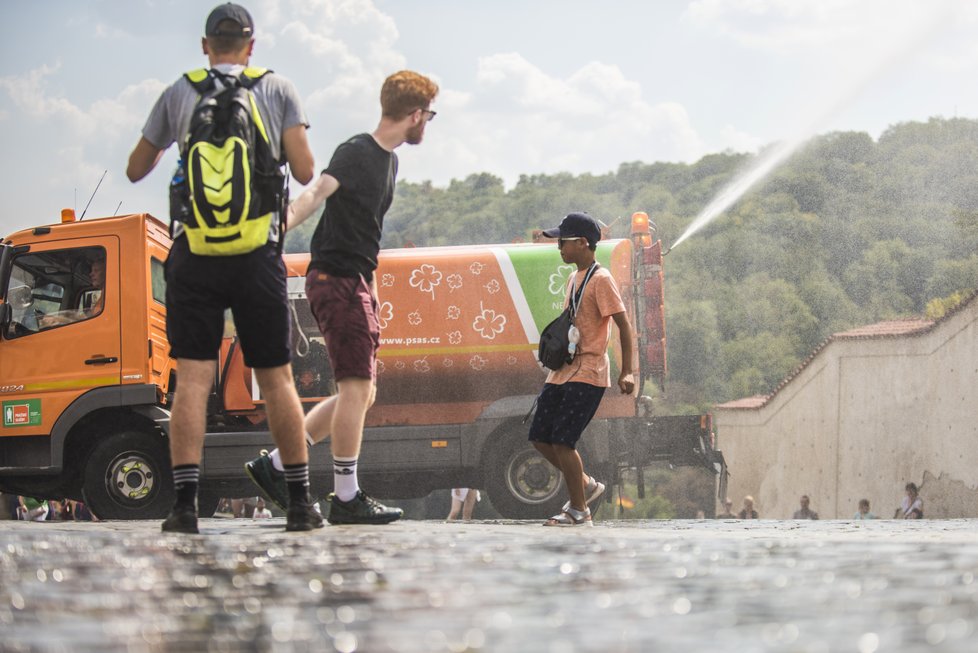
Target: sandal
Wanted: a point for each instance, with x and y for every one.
(571, 517)
(592, 491)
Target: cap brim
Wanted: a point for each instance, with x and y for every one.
(552, 233)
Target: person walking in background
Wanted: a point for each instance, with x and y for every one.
(571, 394)
(201, 283)
(748, 512)
(912, 505)
(463, 501)
(727, 510)
(805, 512)
(863, 511)
(357, 187)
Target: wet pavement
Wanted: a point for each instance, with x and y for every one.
(820, 587)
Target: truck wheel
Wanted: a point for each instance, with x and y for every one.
(520, 482)
(127, 476)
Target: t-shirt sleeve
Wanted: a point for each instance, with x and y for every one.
(344, 166)
(609, 299)
(292, 113)
(160, 128)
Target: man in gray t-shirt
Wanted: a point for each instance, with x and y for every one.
(252, 285)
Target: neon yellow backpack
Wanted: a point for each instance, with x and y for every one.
(232, 186)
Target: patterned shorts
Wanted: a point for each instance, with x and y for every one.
(564, 411)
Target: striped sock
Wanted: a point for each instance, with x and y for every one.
(297, 478)
(185, 480)
(345, 482)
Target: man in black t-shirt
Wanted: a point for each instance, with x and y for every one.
(357, 186)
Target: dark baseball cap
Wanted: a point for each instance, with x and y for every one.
(576, 225)
(229, 11)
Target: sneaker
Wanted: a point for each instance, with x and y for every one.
(361, 509)
(592, 491)
(269, 480)
(302, 516)
(182, 519)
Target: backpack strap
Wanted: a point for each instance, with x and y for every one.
(250, 75)
(201, 79)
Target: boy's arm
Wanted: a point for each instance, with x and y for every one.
(625, 381)
(311, 198)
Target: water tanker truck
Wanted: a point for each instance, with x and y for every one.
(86, 379)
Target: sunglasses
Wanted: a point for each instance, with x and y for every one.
(563, 241)
(429, 113)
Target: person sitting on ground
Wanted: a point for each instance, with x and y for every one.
(863, 512)
(261, 512)
(748, 512)
(805, 512)
(31, 509)
(912, 506)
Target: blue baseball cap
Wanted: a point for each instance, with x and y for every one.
(576, 225)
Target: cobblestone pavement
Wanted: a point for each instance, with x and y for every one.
(820, 587)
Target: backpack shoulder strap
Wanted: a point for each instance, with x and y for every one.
(252, 75)
(201, 79)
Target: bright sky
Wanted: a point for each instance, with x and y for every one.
(527, 87)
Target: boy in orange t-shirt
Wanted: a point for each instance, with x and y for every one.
(571, 395)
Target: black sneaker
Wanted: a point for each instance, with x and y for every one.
(182, 519)
(269, 480)
(302, 517)
(361, 509)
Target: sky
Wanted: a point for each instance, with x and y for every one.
(527, 87)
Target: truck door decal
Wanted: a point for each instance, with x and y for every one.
(22, 412)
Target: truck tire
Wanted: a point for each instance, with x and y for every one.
(127, 476)
(520, 482)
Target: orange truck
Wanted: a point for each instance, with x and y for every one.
(86, 380)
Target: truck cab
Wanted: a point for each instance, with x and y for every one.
(84, 364)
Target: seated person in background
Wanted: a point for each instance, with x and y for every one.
(912, 506)
(307, 383)
(261, 512)
(90, 302)
(805, 512)
(748, 512)
(864, 512)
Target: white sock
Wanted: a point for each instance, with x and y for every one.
(276, 460)
(345, 483)
(277, 457)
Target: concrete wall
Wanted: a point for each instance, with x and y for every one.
(864, 416)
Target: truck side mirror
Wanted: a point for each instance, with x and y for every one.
(5, 315)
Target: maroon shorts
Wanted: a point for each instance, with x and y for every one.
(346, 312)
